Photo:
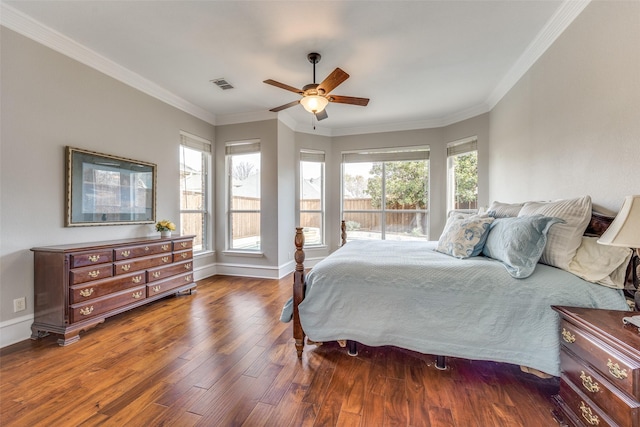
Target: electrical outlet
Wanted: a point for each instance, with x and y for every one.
(19, 304)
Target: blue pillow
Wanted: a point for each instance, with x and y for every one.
(464, 236)
(518, 242)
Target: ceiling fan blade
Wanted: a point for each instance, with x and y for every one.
(348, 100)
(285, 106)
(332, 81)
(283, 86)
(321, 115)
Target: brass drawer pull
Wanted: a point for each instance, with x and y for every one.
(136, 279)
(187, 266)
(95, 273)
(156, 274)
(614, 369)
(156, 289)
(93, 258)
(183, 244)
(187, 278)
(165, 247)
(184, 255)
(136, 295)
(85, 311)
(566, 335)
(588, 415)
(86, 292)
(146, 248)
(125, 253)
(588, 383)
(165, 259)
(126, 267)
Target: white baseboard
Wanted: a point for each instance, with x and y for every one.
(15, 330)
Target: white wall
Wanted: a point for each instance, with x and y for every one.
(571, 126)
(50, 101)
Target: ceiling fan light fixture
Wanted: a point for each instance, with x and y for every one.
(314, 103)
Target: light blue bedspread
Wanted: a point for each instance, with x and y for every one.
(407, 295)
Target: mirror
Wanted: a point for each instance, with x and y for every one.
(108, 190)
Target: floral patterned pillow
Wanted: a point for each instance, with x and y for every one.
(464, 236)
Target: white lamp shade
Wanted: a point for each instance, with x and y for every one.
(314, 103)
(625, 228)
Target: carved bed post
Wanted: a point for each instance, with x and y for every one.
(343, 234)
(298, 291)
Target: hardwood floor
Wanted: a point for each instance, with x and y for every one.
(221, 357)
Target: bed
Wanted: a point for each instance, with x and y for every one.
(410, 295)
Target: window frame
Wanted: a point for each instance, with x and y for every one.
(316, 156)
(204, 146)
(455, 149)
(240, 148)
(385, 155)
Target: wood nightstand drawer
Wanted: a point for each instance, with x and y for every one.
(623, 409)
(620, 370)
(583, 408)
(102, 305)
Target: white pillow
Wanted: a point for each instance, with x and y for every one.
(602, 264)
(504, 210)
(563, 239)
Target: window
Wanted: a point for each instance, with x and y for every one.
(243, 191)
(385, 194)
(462, 174)
(195, 194)
(312, 196)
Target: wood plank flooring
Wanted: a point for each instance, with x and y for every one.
(221, 357)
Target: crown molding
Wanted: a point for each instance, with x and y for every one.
(561, 19)
(29, 27)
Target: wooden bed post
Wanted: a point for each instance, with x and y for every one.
(298, 291)
(343, 232)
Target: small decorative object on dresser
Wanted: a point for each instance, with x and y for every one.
(165, 227)
(78, 286)
(600, 364)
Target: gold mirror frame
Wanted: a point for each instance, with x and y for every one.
(102, 189)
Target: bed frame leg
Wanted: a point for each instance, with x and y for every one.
(352, 348)
(441, 363)
(298, 291)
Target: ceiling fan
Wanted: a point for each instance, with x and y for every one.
(315, 97)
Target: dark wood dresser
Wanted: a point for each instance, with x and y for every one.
(78, 286)
(600, 364)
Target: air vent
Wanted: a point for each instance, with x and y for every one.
(222, 84)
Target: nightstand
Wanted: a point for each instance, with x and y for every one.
(600, 365)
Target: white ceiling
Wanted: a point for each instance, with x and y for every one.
(422, 63)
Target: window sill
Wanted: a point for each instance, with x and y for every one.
(244, 254)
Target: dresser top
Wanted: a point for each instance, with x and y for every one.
(607, 325)
(110, 243)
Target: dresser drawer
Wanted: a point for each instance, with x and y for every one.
(141, 250)
(583, 408)
(619, 370)
(90, 258)
(160, 273)
(620, 407)
(124, 267)
(165, 285)
(98, 306)
(98, 288)
(181, 245)
(85, 274)
(182, 255)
